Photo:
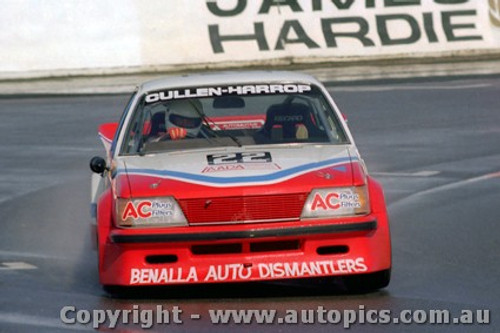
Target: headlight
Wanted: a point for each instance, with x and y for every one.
(337, 201)
(149, 212)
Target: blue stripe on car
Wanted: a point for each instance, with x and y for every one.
(240, 179)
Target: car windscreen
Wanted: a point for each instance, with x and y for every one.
(238, 115)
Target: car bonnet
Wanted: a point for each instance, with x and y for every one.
(238, 171)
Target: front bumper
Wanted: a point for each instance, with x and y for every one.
(245, 234)
(246, 252)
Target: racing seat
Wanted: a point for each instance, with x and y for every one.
(291, 122)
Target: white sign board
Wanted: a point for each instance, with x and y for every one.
(112, 34)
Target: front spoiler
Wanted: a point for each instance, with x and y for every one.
(245, 234)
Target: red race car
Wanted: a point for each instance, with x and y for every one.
(233, 177)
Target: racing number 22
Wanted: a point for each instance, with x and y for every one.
(247, 157)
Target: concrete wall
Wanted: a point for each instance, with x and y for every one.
(52, 37)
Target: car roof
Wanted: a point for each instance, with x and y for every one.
(226, 78)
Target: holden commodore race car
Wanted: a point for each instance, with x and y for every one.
(234, 177)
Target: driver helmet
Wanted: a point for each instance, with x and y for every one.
(184, 114)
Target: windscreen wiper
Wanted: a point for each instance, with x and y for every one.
(210, 122)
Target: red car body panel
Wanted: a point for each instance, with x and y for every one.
(134, 256)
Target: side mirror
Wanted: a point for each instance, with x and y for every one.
(98, 165)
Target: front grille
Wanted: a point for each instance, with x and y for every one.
(243, 209)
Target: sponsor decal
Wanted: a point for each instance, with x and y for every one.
(246, 157)
(335, 200)
(164, 275)
(256, 89)
(350, 27)
(288, 118)
(146, 209)
(237, 125)
(219, 168)
(239, 272)
(238, 167)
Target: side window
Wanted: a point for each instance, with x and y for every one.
(122, 120)
(141, 126)
(332, 121)
(134, 135)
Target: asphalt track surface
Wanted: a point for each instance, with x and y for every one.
(433, 144)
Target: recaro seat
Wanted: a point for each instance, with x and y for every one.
(283, 122)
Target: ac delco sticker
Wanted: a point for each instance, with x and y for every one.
(335, 201)
(146, 209)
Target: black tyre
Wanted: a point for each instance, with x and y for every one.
(115, 291)
(361, 283)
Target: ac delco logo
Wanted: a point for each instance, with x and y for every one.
(335, 200)
(141, 210)
(329, 201)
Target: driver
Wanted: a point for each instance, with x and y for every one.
(182, 119)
